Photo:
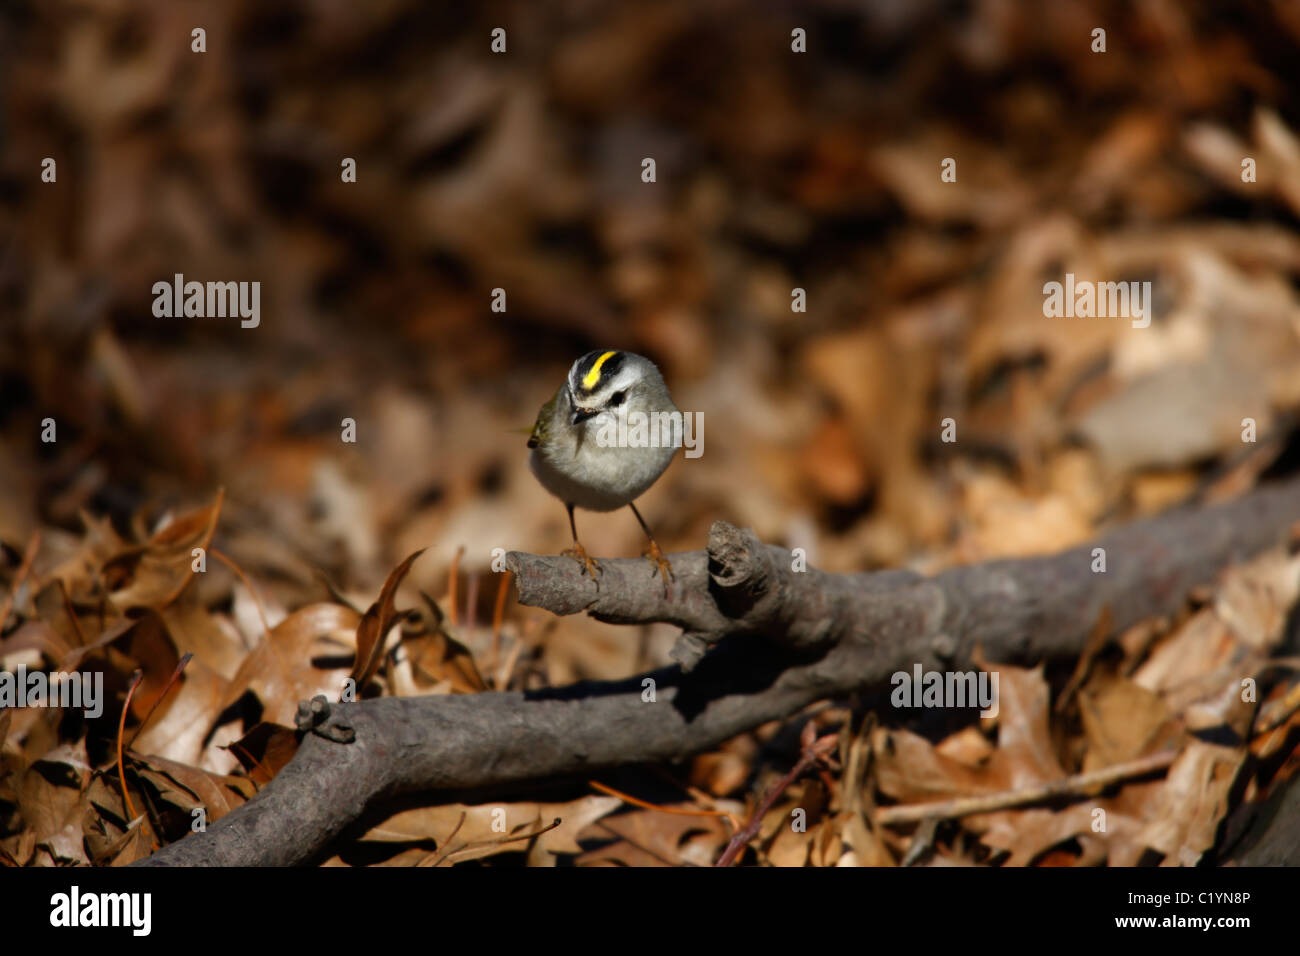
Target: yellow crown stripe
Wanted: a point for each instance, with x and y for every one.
(591, 378)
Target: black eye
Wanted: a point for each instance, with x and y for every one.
(617, 399)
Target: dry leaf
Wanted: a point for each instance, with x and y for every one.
(280, 670)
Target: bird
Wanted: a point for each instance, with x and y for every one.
(587, 450)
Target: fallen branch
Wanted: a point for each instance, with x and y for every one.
(781, 639)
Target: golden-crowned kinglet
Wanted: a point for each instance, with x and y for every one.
(596, 443)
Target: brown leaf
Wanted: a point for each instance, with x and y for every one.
(789, 848)
(49, 799)
(149, 645)
(459, 852)
(1193, 801)
(133, 845)
(1025, 751)
(217, 794)
(464, 832)
(265, 750)
(280, 669)
(438, 822)
(1027, 833)
(179, 728)
(164, 567)
(212, 639)
(1255, 599)
(375, 623)
(968, 746)
(1122, 721)
(866, 848)
(439, 656)
(653, 838)
(1199, 667)
(910, 770)
(721, 772)
(825, 846)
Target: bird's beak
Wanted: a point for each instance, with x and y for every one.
(580, 415)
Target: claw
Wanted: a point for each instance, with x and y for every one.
(589, 565)
(660, 563)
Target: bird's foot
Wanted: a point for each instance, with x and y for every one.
(660, 563)
(589, 565)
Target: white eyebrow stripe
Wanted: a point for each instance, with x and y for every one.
(626, 378)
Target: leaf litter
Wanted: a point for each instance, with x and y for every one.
(926, 304)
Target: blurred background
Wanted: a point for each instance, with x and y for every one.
(521, 171)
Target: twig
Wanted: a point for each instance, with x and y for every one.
(436, 857)
(464, 815)
(813, 751)
(121, 729)
(451, 586)
(171, 681)
(501, 679)
(676, 811)
(1077, 784)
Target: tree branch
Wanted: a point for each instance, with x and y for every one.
(780, 639)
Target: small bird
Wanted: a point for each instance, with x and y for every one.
(573, 456)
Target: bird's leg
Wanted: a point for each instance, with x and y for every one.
(653, 553)
(578, 551)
